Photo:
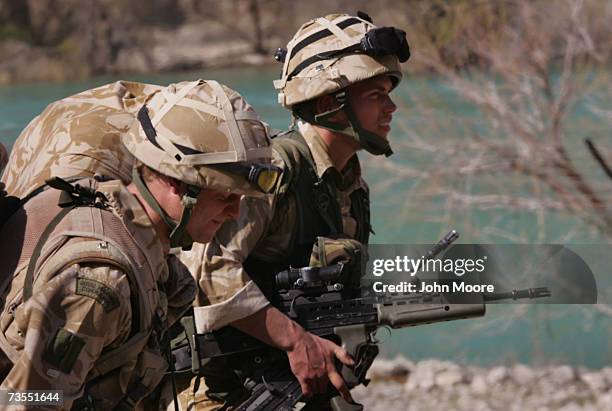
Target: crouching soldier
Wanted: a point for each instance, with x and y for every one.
(85, 284)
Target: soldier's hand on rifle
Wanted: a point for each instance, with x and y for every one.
(312, 361)
(312, 358)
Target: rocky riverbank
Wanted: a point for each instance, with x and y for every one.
(184, 48)
(58, 40)
(401, 384)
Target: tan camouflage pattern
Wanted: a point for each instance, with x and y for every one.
(206, 117)
(81, 136)
(55, 304)
(77, 136)
(326, 76)
(264, 229)
(83, 317)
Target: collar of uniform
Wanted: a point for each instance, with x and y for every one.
(347, 179)
(317, 147)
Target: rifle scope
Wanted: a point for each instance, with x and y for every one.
(309, 277)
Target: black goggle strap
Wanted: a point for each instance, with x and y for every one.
(151, 134)
(370, 44)
(178, 235)
(285, 56)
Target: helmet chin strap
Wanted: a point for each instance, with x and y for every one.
(179, 237)
(372, 143)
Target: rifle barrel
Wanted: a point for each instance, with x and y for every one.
(442, 245)
(538, 292)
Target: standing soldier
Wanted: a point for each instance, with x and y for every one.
(337, 74)
(86, 288)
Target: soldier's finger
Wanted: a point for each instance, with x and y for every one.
(306, 391)
(343, 356)
(338, 383)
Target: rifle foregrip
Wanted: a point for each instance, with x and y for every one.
(407, 315)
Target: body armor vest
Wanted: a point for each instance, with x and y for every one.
(318, 212)
(88, 234)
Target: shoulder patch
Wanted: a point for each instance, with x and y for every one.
(63, 351)
(99, 292)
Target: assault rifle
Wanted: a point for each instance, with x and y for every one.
(331, 304)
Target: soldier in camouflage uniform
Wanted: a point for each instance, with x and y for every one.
(86, 286)
(337, 74)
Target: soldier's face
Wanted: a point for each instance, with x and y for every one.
(212, 209)
(372, 104)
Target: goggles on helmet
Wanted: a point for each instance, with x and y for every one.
(383, 41)
(264, 177)
(380, 41)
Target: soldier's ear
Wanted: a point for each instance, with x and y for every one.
(325, 103)
(171, 185)
(177, 187)
(328, 103)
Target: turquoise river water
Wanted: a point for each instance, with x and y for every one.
(535, 334)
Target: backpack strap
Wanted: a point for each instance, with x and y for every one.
(10, 204)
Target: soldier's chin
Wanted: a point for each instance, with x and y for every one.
(383, 131)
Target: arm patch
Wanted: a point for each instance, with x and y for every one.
(63, 350)
(99, 292)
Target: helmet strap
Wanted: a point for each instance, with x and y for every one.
(372, 143)
(179, 237)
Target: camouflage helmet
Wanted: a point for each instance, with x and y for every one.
(191, 130)
(330, 53)
(205, 135)
(323, 57)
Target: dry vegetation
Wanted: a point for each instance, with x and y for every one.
(522, 70)
(519, 69)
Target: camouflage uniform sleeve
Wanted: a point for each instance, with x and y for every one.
(65, 326)
(225, 291)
